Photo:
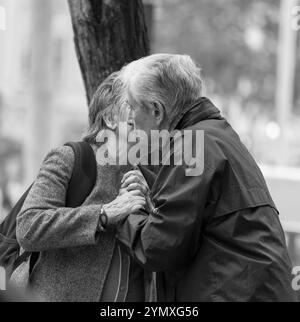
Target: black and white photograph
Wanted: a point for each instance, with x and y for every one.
(149, 154)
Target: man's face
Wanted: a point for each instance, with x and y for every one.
(142, 117)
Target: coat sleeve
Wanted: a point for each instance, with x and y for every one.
(168, 238)
(44, 222)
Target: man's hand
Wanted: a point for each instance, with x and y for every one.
(135, 181)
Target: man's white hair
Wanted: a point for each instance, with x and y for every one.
(172, 80)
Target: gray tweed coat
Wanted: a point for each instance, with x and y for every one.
(74, 260)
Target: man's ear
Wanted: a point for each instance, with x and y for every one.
(159, 113)
(110, 122)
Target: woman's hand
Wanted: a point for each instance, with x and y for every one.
(125, 204)
(135, 181)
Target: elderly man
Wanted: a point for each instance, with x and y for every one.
(212, 237)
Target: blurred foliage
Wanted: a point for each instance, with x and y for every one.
(234, 40)
(297, 80)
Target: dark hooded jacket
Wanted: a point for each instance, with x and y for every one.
(217, 236)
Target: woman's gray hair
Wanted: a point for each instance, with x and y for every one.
(107, 103)
(172, 80)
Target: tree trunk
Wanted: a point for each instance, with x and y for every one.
(108, 34)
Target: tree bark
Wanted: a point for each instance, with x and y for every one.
(107, 34)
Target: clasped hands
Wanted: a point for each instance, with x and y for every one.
(134, 195)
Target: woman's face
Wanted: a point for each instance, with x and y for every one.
(124, 127)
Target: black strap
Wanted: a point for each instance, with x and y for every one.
(84, 174)
(21, 259)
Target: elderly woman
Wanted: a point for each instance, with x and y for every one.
(79, 260)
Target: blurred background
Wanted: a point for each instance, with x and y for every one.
(249, 52)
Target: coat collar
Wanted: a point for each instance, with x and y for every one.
(202, 109)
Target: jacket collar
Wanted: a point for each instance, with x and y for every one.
(202, 109)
